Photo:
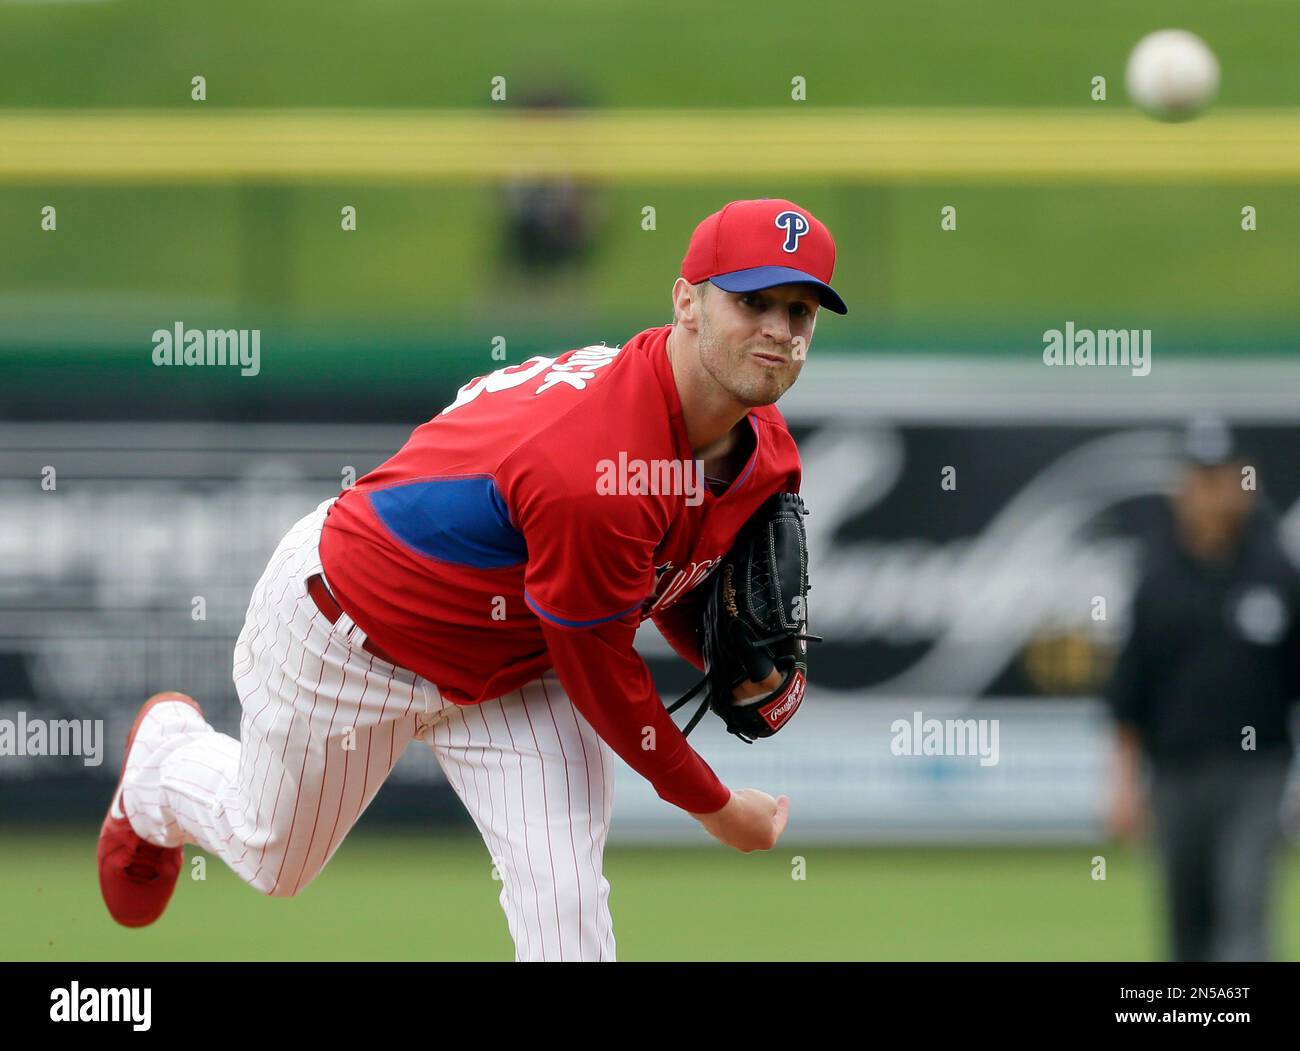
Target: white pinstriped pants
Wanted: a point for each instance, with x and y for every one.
(323, 724)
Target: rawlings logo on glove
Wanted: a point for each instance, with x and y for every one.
(755, 621)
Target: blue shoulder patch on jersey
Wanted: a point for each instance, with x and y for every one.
(463, 521)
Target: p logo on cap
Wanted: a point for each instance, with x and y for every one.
(795, 226)
(751, 245)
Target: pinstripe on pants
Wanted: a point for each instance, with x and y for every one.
(324, 722)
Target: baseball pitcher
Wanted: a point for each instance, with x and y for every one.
(481, 590)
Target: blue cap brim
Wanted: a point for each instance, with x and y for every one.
(761, 277)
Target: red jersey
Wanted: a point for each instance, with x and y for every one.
(534, 523)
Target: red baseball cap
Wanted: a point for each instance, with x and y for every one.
(751, 245)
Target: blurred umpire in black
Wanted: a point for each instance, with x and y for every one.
(1203, 691)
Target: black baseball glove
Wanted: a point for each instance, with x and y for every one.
(755, 619)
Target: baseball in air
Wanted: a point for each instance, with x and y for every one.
(1172, 75)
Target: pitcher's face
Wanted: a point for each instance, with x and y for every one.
(754, 343)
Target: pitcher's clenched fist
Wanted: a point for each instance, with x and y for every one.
(751, 820)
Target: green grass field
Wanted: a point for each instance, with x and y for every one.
(425, 897)
(635, 53)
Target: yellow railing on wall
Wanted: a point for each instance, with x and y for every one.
(847, 145)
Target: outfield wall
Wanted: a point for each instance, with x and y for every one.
(974, 602)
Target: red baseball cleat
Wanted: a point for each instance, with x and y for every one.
(135, 876)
